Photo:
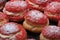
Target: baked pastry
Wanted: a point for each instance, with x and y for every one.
(37, 4)
(12, 31)
(3, 18)
(2, 4)
(50, 33)
(35, 21)
(15, 10)
(52, 11)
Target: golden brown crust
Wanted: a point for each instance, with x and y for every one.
(42, 37)
(35, 29)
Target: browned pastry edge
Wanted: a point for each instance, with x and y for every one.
(42, 37)
(34, 29)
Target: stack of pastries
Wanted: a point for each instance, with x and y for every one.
(18, 17)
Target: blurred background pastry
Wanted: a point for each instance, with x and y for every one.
(50, 33)
(12, 31)
(37, 4)
(52, 11)
(15, 10)
(3, 19)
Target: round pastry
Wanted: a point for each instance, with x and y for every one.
(15, 10)
(3, 18)
(52, 11)
(50, 33)
(2, 4)
(35, 21)
(12, 31)
(37, 4)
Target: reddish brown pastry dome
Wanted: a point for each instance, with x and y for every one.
(53, 10)
(50, 33)
(12, 31)
(16, 6)
(2, 4)
(3, 18)
(15, 9)
(35, 19)
(37, 4)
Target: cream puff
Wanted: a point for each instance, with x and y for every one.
(12, 31)
(37, 4)
(15, 10)
(52, 11)
(35, 21)
(50, 33)
(3, 18)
